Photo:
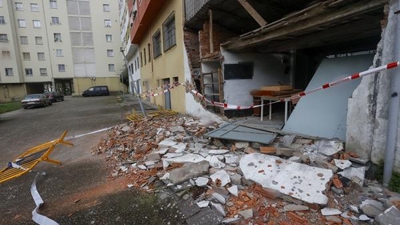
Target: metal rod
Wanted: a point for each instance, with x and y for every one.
(394, 101)
(135, 84)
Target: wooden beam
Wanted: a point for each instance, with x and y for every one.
(257, 17)
(322, 16)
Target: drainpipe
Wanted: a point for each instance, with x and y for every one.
(394, 101)
(136, 87)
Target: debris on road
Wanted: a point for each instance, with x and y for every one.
(293, 180)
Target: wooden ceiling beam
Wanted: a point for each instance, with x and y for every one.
(321, 16)
(253, 13)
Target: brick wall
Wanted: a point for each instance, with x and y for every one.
(220, 35)
(191, 40)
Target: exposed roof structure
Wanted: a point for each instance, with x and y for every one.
(330, 24)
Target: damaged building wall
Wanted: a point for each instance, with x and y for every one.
(268, 70)
(219, 35)
(193, 107)
(367, 118)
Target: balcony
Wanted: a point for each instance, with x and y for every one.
(147, 11)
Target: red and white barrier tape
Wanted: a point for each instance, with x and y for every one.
(296, 96)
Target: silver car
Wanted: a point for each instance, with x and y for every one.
(34, 100)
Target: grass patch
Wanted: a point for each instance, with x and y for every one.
(394, 183)
(8, 107)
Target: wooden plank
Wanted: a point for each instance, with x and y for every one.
(257, 17)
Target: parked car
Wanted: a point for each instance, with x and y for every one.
(34, 100)
(54, 96)
(96, 91)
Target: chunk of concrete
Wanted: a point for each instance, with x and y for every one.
(371, 208)
(334, 219)
(342, 164)
(236, 179)
(219, 197)
(298, 180)
(330, 212)
(390, 216)
(201, 181)
(247, 214)
(241, 145)
(187, 171)
(355, 174)
(288, 139)
(294, 207)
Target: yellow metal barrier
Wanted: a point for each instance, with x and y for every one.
(29, 159)
(136, 117)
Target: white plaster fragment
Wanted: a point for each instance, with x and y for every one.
(142, 167)
(203, 204)
(165, 176)
(194, 158)
(215, 162)
(167, 143)
(219, 197)
(181, 147)
(219, 208)
(329, 147)
(342, 164)
(221, 175)
(201, 181)
(162, 150)
(298, 180)
(218, 152)
(355, 174)
(233, 190)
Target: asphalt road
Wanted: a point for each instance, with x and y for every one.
(80, 191)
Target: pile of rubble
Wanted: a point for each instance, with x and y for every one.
(293, 181)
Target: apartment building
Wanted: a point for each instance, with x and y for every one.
(66, 46)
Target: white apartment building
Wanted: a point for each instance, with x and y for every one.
(63, 45)
(131, 51)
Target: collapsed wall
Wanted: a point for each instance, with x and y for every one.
(367, 117)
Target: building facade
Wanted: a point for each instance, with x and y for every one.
(66, 46)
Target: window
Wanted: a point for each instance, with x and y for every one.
(145, 55)
(110, 53)
(141, 59)
(61, 67)
(9, 72)
(6, 54)
(148, 47)
(106, 7)
(26, 56)
(107, 23)
(24, 40)
(108, 37)
(59, 53)
(157, 44)
(39, 40)
(21, 23)
(111, 67)
(40, 56)
(36, 24)
(57, 37)
(3, 38)
(28, 72)
(19, 6)
(55, 20)
(43, 71)
(169, 32)
(53, 4)
(34, 7)
(2, 21)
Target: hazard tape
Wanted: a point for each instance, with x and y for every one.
(202, 98)
(38, 218)
(165, 88)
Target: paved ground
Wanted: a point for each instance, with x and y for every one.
(79, 191)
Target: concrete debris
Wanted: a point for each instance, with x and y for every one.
(329, 148)
(187, 171)
(233, 190)
(304, 182)
(342, 164)
(248, 213)
(220, 178)
(391, 216)
(219, 208)
(355, 174)
(227, 182)
(203, 204)
(330, 212)
(201, 181)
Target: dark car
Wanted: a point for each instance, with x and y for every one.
(34, 100)
(54, 96)
(96, 91)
